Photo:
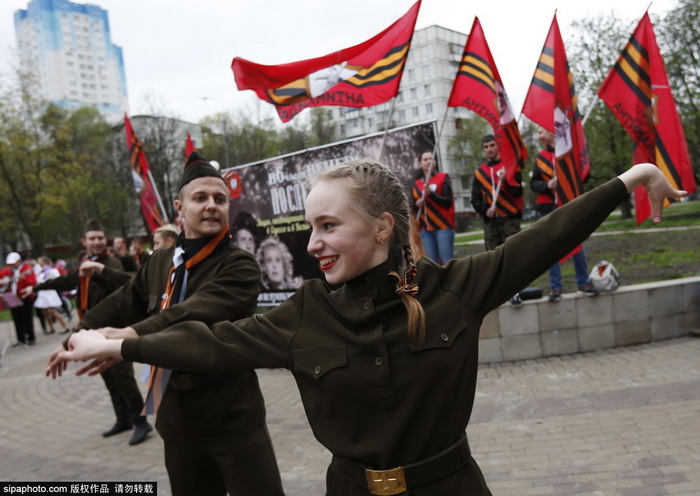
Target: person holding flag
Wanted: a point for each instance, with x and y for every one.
(551, 102)
(435, 207)
(544, 182)
(497, 199)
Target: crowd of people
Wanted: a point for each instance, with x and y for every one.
(50, 290)
(385, 358)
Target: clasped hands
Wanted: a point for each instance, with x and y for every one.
(83, 346)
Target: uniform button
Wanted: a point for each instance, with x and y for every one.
(317, 370)
(372, 332)
(378, 361)
(365, 305)
(444, 337)
(368, 278)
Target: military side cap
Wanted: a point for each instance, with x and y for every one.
(196, 167)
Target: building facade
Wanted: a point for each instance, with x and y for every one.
(68, 48)
(425, 88)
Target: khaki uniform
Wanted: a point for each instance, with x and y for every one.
(222, 410)
(371, 395)
(119, 379)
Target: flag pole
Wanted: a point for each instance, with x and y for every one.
(386, 129)
(588, 112)
(160, 202)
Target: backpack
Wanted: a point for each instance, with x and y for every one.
(604, 276)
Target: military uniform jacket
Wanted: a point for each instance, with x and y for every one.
(224, 286)
(372, 395)
(101, 284)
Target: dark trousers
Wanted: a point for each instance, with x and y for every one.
(497, 230)
(24, 322)
(243, 466)
(124, 392)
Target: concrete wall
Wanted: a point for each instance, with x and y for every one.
(630, 315)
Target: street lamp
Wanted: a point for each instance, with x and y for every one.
(225, 125)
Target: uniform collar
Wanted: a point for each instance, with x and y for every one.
(376, 282)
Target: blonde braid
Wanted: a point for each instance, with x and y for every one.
(416, 314)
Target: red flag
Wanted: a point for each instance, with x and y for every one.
(143, 183)
(361, 76)
(478, 87)
(638, 93)
(189, 146)
(551, 102)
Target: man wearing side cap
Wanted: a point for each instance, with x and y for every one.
(99, 275)
(213, 425)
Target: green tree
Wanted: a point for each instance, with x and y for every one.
(58, 171)
(465, 146)
(322, 129)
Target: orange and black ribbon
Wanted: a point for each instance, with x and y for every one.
(198, 251)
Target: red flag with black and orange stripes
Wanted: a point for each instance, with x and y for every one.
(143, 181)
(189, 146)
(638, 92)
(478, 87)
(360, 76)
(552, 103)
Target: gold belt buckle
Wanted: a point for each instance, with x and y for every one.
(386, 482)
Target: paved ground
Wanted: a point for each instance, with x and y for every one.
(616, 422)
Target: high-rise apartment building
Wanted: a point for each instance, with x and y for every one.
(425, 88)
(68, 47)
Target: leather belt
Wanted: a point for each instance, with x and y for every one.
(400, 479)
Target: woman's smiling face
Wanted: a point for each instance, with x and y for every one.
(342, 240)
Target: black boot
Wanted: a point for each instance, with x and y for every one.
(141, 430)
(121, 410)
(116, 429)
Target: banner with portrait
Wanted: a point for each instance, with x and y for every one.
(267, 200)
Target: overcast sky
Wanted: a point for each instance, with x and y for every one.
(181, 50)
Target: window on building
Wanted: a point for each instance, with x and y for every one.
(411, 74)
(414, 93)
(415, 112)
(426, 90)
(429, 108)
(402, 116)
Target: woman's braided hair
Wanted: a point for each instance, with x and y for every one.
(375, 189)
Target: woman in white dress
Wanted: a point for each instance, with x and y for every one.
(47, 300)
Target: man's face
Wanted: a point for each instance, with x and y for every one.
(490, 150)
(120, 246)
(203, 203)
(94, 242)
(545, 137)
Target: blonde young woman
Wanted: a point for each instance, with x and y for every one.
(387, 364)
